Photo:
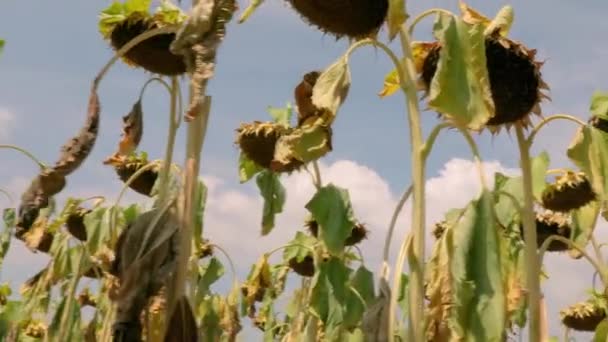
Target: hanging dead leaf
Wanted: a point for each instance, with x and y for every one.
(132, 132)
(303, 97)
(77, 149)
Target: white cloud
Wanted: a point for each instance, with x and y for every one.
(7, 120)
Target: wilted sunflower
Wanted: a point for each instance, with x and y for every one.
(351, 18)
(570, 191)
(305, 268)
(515, 79)
(121, 22)
(551, 223)
(75, 223)
(583, 316)
(258, 140)
(127, 167)
(358, 233)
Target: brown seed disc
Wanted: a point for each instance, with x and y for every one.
(75, 224)
(565, 196)
(352, 18)
(305, 268)
(548, 224)
(514, 79)
(599, 123)
(258, 140)
(152, 54)
(583, 317)
(144, 183)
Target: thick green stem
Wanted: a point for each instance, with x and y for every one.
(391, 229)
(416, 258)
(532, 262)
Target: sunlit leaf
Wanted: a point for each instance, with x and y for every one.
(97, 224)
(396, 17)
(505, 208)
(247, 168)
(402, 297)
(599, 104)
(274, 195)
(201, 202)
(209, 274)
(304, 144)
(329, 294)
(71, 327)
(332, 210)
(391, 84)
(501, 22)
(258, 281)
(539, 172)
(460, 88)
(583, 223)
(589, 151)
(601, 332)
(331, 88)
(2, 43)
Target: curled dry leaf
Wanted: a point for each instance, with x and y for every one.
(132, 131)
(142, 275)
(52, 180)
(198, 40)
(303, 97)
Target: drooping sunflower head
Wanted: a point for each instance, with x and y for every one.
(583, 316)
(122, 21)
(258, 140)
(305, 267)
(128, 166)
(570, 191)
(599, 123)
(550, 223)
(351, 18)
(514, 75)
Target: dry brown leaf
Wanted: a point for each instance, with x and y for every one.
(132, 132)
(182, 326)
(303, 97)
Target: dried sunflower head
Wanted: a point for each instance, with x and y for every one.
(583, 316)
(85, 298)
(75, 223)
(305, 268)
(440, 227)
(352, 18)
(570, 191)
(35, 329)
(121, 22)
(551, 223)
(257, 141)
(126, 167)
(515, 80)
(358, 233)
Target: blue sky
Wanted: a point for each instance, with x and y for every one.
(53, 50)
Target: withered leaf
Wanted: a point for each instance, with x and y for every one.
(132, 132)
(303, 97)
(182, 326)
(77, 149)
(142, 275)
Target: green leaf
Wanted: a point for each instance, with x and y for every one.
(5, 236)
(539, 172)
(583, 223)
(253, 5)
(208, 274)
(479, 298)
(10, 314)
(208, 311)
(9, 217)
(282, 116)
(117, 12)
(247, 168)
(329, 293)
(304, 144)
(73, 331)
(601, 332)
(2, 43)
(589, 151)
(134, 6)
(331, 89)
(97, 224)
(599, 104)
(300, 247)
(130, 213)
(332, 210)
(274, 195)
(363, 283)
(396, 17)
(201, 201)
(402, 298)
(168, 13)
(460, 88)
(506, 210)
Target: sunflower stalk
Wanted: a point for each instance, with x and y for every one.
(530, 253)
